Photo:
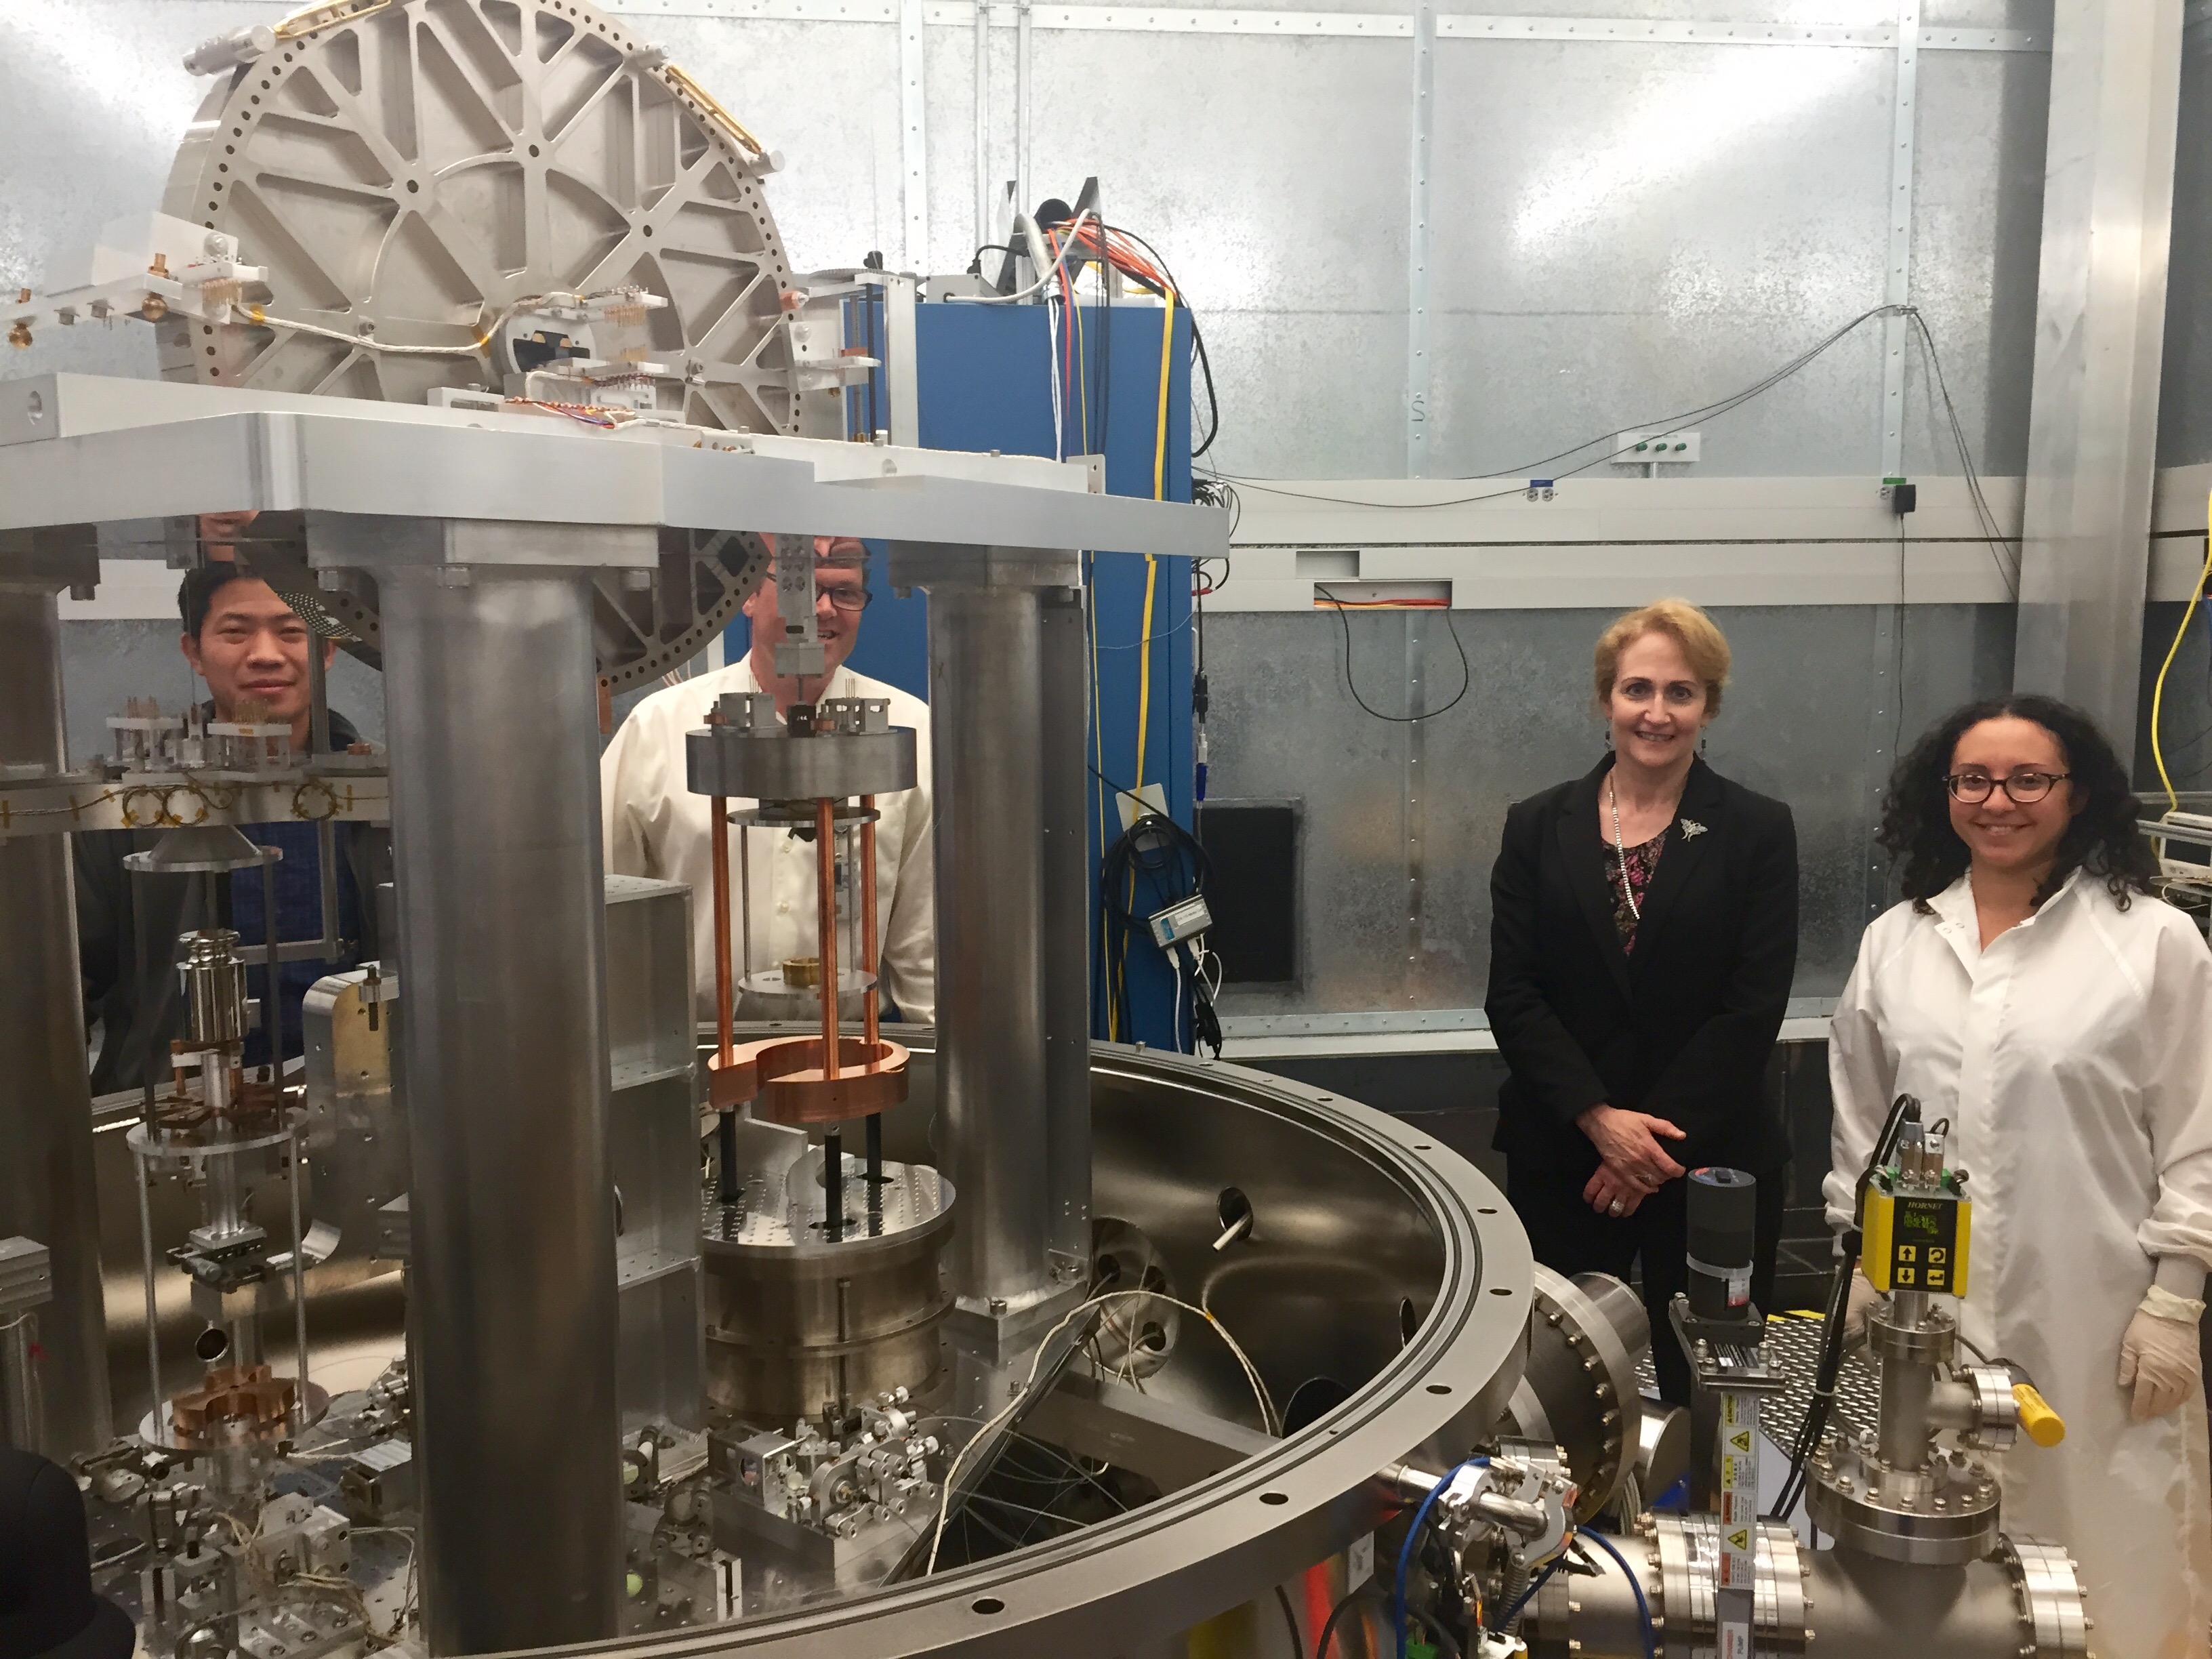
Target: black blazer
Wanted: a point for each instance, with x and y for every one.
(1681, 1030)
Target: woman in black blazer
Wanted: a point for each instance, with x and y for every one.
(1644, 931)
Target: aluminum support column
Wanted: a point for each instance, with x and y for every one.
(47, 1188)
(2100, 328)
(1065, 720)
(986, 727)
(502, 946)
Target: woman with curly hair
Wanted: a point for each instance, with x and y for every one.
(2033, 990)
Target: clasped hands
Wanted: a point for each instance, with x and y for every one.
(1633, 1165)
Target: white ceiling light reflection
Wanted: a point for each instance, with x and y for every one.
(1684, 123)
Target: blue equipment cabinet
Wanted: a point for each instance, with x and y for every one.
(985, 378)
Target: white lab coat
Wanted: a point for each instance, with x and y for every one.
(2074, 1060)
(653, 825)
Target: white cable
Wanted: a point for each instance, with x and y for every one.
(1059, 398)
(1034, 288)
(1175, 961)
(1268, 1417)
(365, 342)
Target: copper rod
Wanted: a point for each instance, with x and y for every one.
(868, 917)
(718, 844)
(825, 885)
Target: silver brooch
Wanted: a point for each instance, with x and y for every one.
(1692, 829)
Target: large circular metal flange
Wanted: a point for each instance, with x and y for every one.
(821, 766)
(1579, 1390)
(1166, 1566)
(1689, 1550)
(1943, 1517)
(409, 174)
(2054, 1622)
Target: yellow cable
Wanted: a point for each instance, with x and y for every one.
(1145, 670)
(1082, 371)
(1152, 580)
(2158, 690)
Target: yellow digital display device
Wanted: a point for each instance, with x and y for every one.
(1915, 1237)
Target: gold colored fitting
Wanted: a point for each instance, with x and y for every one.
(159, 267)
(704, 102)
(804, 973)
(20, 336)
(308, 19)
(155, 308)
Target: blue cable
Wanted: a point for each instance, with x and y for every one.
(1413, 1538)
(1506, 1625)
(1643, 1608)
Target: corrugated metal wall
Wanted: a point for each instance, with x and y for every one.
(1618, 229)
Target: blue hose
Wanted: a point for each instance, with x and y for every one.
(1412, 1540)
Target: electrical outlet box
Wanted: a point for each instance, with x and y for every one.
(1644, 448)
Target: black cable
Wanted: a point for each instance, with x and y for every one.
(1212, 403)
(1162, 852)
(1673, 423)
(1830, 1368)
(1329, 1625)
(2009, 573)
(1466, 673)
(1297, 1642)
(1197, 339)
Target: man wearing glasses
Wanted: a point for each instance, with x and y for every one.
(653, 825)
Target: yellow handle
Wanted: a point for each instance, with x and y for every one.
(2044, 1426)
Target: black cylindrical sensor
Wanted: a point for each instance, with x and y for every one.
(1723, 1207)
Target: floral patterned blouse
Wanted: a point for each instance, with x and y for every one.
(1631, 875)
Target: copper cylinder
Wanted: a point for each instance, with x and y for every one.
(825, 885)
(868, 1015)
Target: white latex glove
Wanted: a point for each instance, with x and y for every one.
(1863, 1296)
(2159, 1356)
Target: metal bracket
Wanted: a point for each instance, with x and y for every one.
(798, 654)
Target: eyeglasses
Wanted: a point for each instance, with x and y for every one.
(2023, 787)
(845, 598)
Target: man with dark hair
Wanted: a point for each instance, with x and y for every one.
(251, 646)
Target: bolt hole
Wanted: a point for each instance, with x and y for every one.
(413, 187)
(987, 1604)
(1154, 1281)
(1275, 1498)
(1422, 1147)
(1499, 1290)
(1439, 1388)
(1153, 1337)
(533, 150)
(1409, 1319)
(1487, 1210)
(1109, 1271)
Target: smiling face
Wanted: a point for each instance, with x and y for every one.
(2000, 833)
(1658, 705)
(836, 587)
(252, 645)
